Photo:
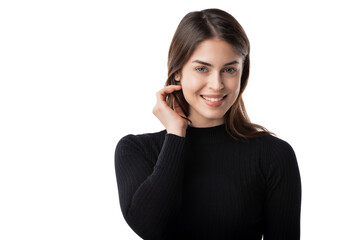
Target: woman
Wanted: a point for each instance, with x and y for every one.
(211, 174)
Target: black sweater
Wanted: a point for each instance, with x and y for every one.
(208, 186)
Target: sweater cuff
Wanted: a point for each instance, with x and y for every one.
(170, 156)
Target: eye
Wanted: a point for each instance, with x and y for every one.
(201, 69)
(229, 70)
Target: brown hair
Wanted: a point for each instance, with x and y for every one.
(194, 28)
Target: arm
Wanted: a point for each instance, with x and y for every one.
(149, 196)
(283, 195)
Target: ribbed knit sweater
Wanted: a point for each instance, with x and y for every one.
(207, 185)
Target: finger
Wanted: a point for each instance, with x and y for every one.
(170, 88)
(166, 90)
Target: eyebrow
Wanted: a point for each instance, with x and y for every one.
(208, 64)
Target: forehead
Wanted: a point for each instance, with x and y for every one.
(215, 51)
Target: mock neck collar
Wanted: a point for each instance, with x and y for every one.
(206, 135)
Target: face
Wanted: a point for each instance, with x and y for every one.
(210, 82)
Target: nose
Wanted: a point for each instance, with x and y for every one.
(215, 82)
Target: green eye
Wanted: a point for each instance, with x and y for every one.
(229, 70)
(201, 69)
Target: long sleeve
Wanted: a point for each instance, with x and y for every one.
(149, 194)
(283, 194)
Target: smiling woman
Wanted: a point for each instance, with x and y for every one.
(209, 41)
(211, 173)
(211, 85)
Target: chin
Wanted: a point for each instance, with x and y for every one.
(214, 117)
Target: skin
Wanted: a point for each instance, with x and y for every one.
(198, 78)
(171, 119)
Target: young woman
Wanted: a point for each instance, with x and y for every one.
(211, 174)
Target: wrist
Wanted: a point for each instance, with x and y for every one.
(180, 133)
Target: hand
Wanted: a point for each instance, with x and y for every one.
(171, 119)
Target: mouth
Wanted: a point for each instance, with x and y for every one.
(214, 99)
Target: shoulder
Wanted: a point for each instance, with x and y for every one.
(141, 142)
(275, 151)
(143, 137)
(273, 144)
(146, 146)
(277, 159)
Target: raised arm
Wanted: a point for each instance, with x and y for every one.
(283, 195)
(149, 195)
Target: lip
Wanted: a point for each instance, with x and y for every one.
(213, 95)
(214, 104)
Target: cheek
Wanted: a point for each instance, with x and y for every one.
(188, 91)
(191, 91)
(235, 85)
(191, 85)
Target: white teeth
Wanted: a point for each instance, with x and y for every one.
(213, 99)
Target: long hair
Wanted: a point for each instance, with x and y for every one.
(194, 28)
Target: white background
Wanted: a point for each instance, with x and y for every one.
(76, 76)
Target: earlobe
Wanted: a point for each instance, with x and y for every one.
(177, 78)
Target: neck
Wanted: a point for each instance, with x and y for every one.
(206, 124)
(206, 135)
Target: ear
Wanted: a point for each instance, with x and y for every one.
(177, 77)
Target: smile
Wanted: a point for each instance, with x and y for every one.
(213, 99)
(213, 102)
